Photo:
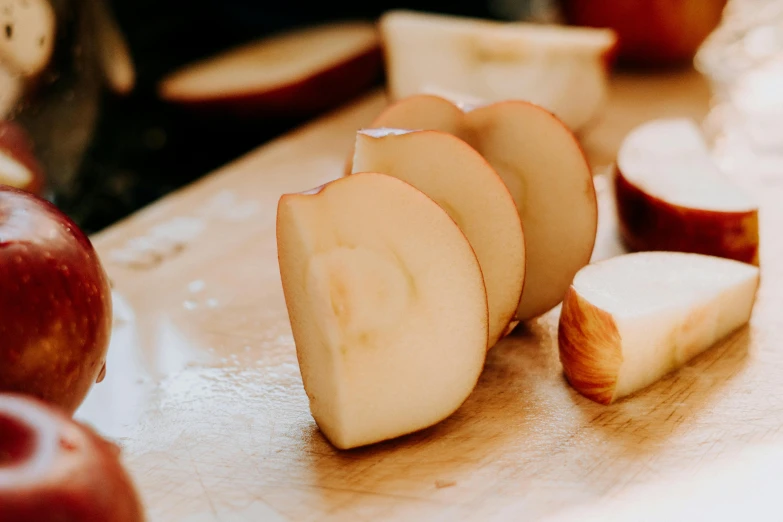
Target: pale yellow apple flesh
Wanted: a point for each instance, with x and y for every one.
(629, 320)
(13, 173)
(563, 69)
(271, 64)
(543, 166)
(461, 181)
(387, 307)
(29, 35)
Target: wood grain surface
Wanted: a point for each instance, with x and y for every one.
(204, 394)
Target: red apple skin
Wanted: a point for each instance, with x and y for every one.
(78, 476)
(15, 142)
(55, 303)
(649, 223)
(651, 32)
(323, 91)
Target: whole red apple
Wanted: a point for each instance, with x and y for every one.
(55, 303)
(53, 469)
(18, 165)
(650, 32)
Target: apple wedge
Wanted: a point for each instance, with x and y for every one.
(564, 69)
(670, 195)
(629, 320)
(381, 287)
(19, 167)
(545, 171)
(291, 74)
(453, 174)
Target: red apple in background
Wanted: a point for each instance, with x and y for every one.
(55, 303)
(651, 32)
(18, 165)
(53, 469)
(292, 74)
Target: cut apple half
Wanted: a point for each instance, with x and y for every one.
(671, 196)
(564, 69)
(544, 169)
(461, 181)
(381, 287)
(629, 320)
(294, 73)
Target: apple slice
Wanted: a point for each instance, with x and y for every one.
(298, 72)
(18, 166)
(381, 287)
(563, 69)
(629, 320)
(671, 196)
(544, 168)
(28, 38)
(456, 176)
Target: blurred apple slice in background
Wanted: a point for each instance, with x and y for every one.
(29, 33)
(563, 69)
(453, 174)
(387, 306)
(671, 196)
(18, 166)
(629, 320)
(543, 166)
(296, 73)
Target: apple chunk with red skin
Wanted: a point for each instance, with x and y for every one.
(461, 181)
(55, 302)
(53, 469)
(381, 288)
(629, 320)
(19, 167)
(670, 195)
(546, 172)
(291, 74)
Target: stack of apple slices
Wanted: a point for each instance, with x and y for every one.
(429, 249)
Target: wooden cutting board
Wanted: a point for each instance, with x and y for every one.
(204, 394)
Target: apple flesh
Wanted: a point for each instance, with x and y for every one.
(650, 32)
(387, 306)
(456, 176)
(27, 42)
(629, 320)
(562, 69)
(544, 169)
(54, 469)
(670, 195)
(292, 74)
(19, 167)
(55, 302)
(114, 55)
